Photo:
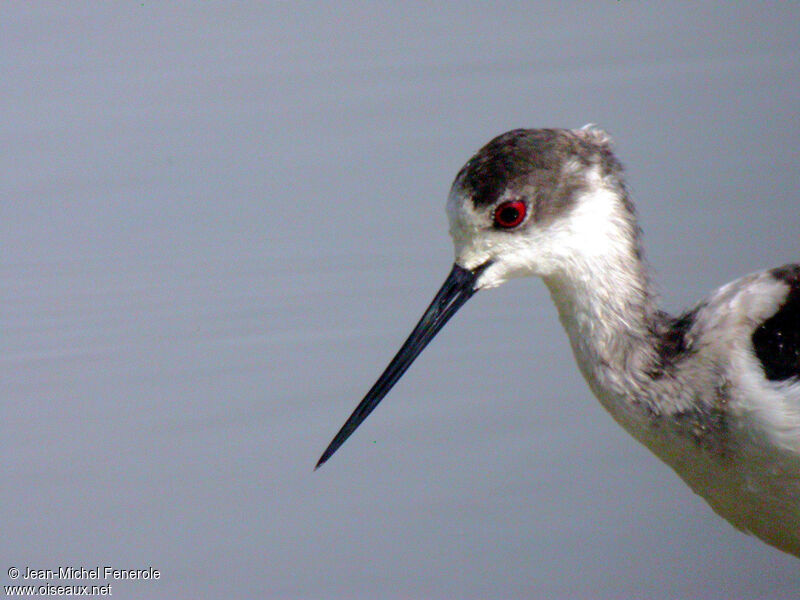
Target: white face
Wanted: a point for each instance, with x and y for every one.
(530, 248)
(542, 208)
(477, 240)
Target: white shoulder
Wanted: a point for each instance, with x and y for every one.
(750, 329)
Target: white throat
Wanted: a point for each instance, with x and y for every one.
(603, 296)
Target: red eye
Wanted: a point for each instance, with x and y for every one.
(510, 214)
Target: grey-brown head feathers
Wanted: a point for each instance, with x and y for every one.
(546, 164)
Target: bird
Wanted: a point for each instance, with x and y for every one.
(714, 392)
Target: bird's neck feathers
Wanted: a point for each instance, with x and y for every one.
(601, 290)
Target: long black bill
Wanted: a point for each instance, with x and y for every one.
(455, 291)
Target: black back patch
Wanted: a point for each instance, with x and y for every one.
(777, 340)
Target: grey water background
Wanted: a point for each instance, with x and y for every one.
(218, 222)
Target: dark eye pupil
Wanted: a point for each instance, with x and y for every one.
(509, 214)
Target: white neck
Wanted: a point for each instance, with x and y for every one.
(607, 312)
(605, 303)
